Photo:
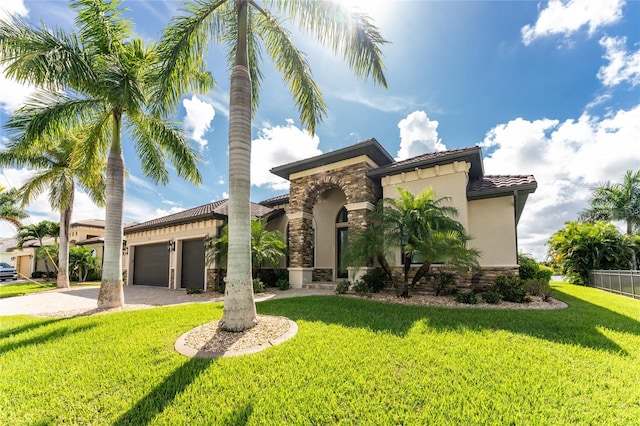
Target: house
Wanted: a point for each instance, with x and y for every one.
(83, 232)
(329, 194)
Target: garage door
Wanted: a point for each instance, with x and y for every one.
(192, 264)
(151, 265)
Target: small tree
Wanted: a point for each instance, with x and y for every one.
(39, 232)
(266, 246)
(581, 247)
(82, 262)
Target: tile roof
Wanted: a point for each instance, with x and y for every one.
(217, 209)
(274, 201)
(93, 223)
(500, 183)
(471, 154)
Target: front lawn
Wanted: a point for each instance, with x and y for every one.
(19, 289)
(352, 362)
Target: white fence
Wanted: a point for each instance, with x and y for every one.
(622, 282)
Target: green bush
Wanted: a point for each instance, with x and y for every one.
(510, 287)
(283, 284)
(374, 280)
(538, 288)
(492, 297)
(270, 277)
(544, 273)
(94, 276)
(445, 284)
(37, 274)
(343, 287)
(528, 266)
(258, 285)
(361, 287)
(220, 286)
(193, 290)
(467, 297)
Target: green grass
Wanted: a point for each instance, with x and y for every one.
(352, 362)
(19, 289)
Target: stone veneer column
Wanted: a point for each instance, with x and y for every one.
(357, 215)
(300, 251)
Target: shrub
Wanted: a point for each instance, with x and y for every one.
(283, 284)
(270, 277)
(74, 278)
(193, 290)
(445, 284)
(52, 274)
(37, 274)
(544, 273)
(94, 276)
(361, 287)
(467, 297)
(492, 297)
(374, 280)
(510, 287)
(538, 288)
(258, 285)
(220, 286)
(343, 287)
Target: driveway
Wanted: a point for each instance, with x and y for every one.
(85, 298)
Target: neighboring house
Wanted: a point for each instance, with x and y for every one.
(84, 232)
(329, 194)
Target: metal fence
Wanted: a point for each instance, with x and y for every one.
(622, 282)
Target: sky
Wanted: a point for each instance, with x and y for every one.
(545, 88)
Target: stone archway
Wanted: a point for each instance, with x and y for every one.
(361, 193)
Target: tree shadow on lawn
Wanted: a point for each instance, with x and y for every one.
(577, 325)
(44, 337)
(162, 395)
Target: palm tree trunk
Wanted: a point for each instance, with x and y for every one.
(424, 268)
(111, 294)
(407, 267)
(63, 248)
(239, 307)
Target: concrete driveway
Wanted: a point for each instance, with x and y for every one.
(85, 298)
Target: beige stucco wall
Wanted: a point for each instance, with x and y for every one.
(79, 233)
(449, 180)
(178, 233)
(493, 230)
(324, 215)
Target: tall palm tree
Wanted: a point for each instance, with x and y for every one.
(100, 79)
(60, 164)
(10, 209)
(246, 29)
(617, 201)
(425, 231)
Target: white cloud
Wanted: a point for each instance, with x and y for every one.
(418, 135)
(567, 159)
(568, 17)
(622, 65)
(198, 119)
(277, 145)
(225, 195)
(12, 7)
(13, 94)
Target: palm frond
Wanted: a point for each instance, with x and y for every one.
(101, 24)
(155, 137)
(351, 34)
(295, 69)
(48, 58)
(182, 48)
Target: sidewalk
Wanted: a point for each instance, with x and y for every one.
(72, 299)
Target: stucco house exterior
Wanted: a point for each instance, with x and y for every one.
(330, 194)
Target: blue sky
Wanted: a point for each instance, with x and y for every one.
(546, 88)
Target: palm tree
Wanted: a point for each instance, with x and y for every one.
(266, 246)
(39, 232)
(247, 29)
(425, 232)
(369, 243)
(10, 209)
(617, 201)
(60, 163)
(101, 80)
